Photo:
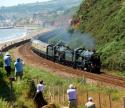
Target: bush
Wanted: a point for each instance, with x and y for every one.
(4, 104)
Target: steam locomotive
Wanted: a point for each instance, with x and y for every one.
(62, 54)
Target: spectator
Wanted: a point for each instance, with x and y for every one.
(7, 63)
(18, 68)
(72, 96)
(40, 86)
(39, 99)
(90, 103)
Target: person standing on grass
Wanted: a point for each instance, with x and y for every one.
(7, 63)
(39, 99)
(90, 103)
(72, 96)
(18, 68)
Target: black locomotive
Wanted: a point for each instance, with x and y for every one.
(77, 58)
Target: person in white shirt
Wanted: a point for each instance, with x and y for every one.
(72, 96)
(39, 99)
(90, 103)
(40, 86)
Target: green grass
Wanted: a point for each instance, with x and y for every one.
(119, 74)
(52, 79)
(4, 104)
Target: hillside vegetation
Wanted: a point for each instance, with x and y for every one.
(105, 20)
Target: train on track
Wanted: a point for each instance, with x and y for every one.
(77, 58)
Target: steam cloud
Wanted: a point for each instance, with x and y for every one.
(73, 40)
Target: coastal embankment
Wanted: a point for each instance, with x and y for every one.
(6, 45)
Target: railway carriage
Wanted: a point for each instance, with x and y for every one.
(60, 53)
(50, 53)
(39, 47)
(64, 54)
(69, 57)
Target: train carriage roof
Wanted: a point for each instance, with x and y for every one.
(40, 43)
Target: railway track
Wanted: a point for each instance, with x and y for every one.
(33, 59)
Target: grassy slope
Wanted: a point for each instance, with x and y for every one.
(21, 96)
(105, 19)
(21, 88)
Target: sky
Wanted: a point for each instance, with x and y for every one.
(16, 2)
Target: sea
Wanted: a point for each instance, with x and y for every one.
(7, 34)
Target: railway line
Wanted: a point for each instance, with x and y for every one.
(31, 58)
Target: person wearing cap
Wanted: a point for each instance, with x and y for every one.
(7, 63)
(90, 103)
(18, 68)
(72, 96)
(39, 99)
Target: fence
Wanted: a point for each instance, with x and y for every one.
(58, 95)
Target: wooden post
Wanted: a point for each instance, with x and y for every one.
(99, 101)
(84, 80)
(49, 94)
(58, 95)
(11, 89)
(63, 96)
(53, 94)
(87, 95)
(99, 94)
(82, 97)
(124, 102)
(110, 101)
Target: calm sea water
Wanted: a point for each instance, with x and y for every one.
(7, 34)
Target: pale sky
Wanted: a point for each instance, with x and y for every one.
(16, 2)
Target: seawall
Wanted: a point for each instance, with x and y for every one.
(5, 46)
